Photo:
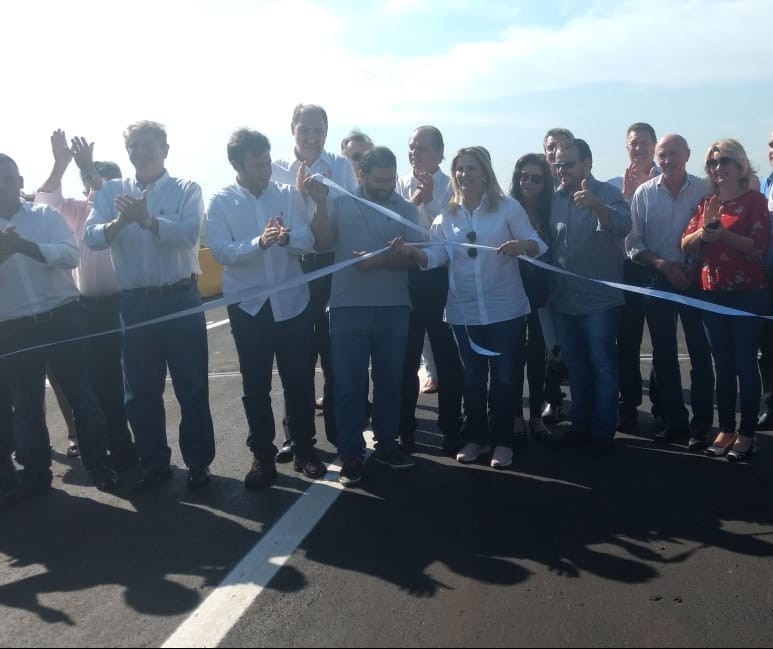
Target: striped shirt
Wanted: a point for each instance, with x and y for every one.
(580, 245)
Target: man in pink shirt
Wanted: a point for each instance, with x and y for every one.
(95, 279)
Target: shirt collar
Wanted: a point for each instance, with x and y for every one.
(326, 159)
(157, 184)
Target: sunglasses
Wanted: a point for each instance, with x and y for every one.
(356, 156)
(569, 164)
(534, 178)
(724, 161)
(471, 237)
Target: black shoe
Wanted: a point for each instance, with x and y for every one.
(671, 434)
(628, 421)
(408, 442)
(105, 478)
(351, 472)
(698, 442)
(309, 465)
(262, 474)
(198, 477)
(285, 454)
(26, 485)
(123, 460)
(150, 478)
(394, 458)
(573, 438)
(7, 474)
(601, 447)
(451, 444)
(765, 422)
(552, 413)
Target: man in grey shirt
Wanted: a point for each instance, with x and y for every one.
(660, 211)
(369, 309)
(589, 221)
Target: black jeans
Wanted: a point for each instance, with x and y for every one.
(259, 339)
(104, 361)
(428, 292)
(536, 369)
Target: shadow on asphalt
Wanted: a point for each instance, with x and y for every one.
(610, 517)
(64, 543)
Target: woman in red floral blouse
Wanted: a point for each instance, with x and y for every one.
(730, 233)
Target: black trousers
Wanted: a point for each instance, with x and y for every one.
(259, 339)
(428, 292)
(319, 296)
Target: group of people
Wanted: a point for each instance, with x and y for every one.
(497, 282)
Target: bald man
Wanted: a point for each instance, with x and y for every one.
(661, 208)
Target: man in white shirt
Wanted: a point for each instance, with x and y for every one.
(40, 307)
(429, 189)
(660, 211)
(258, 229)
(640, 144)
(151, 223)
(309, 128)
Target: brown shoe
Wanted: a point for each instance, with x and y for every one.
(262, 474)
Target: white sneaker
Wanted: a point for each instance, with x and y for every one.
(471, 452)
(502, 457)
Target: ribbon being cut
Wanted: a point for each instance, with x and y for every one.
(432, 240)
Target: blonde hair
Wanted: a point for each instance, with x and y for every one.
(491, 189)
(734, 150)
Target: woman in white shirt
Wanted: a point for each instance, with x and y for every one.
(487, 306)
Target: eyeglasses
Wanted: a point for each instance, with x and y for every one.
(569, 164)
(356, 156)
(471, 237)
(724, 161)
(534, 178)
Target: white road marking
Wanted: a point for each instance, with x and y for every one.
(219, 612)
(219, 323)
(224, 607)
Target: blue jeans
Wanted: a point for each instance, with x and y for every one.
(662, 317)
(489, 413)
(734, 343)
(259, 339)
(589, 346)
(26, 378)
(180, 345)
(359, 336)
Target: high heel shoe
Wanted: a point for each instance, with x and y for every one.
(718, 450)
(734, 455)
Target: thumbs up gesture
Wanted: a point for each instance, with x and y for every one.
(585, 198)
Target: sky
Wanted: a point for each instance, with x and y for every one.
(496, 74)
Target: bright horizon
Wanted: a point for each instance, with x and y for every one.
(497, 78)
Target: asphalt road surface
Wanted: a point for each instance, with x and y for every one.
(649, 547)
